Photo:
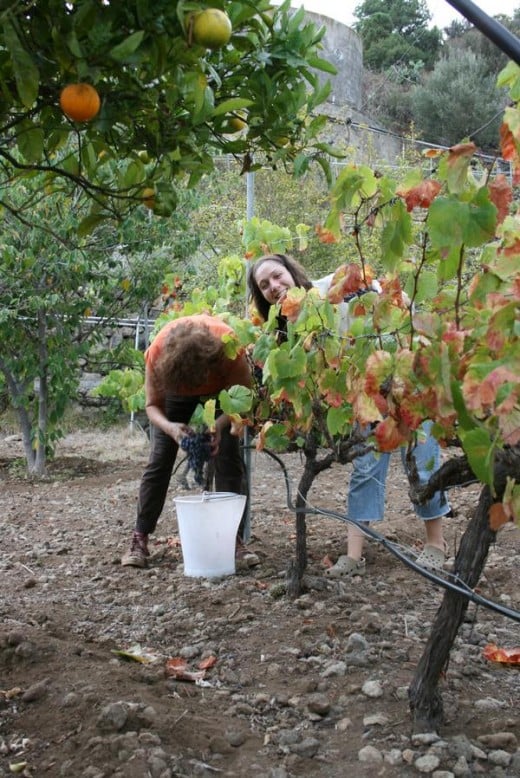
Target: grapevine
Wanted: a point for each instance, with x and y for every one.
(198, 450)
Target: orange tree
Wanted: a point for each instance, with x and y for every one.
(106, 106)
(165, 100)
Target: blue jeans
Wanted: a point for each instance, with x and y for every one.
(366, 496)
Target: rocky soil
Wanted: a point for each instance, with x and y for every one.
(312, 687)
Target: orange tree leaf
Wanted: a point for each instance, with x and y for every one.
(176, 661)
(332, 386)
(502, 325)
(510, 140)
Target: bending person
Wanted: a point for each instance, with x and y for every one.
(185, 365)
(269, 279)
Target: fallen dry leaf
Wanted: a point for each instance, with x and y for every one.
(506, 656)
(176, 667)
(136, 654)
(207, 663)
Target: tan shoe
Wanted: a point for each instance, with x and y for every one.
(431, 557)
(346, 567)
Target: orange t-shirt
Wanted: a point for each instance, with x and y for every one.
(232, 371)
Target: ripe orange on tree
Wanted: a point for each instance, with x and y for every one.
(80, 102)
(237, 123)
(212, 28)
(148, 197)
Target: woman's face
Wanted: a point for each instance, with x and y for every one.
(273, 280)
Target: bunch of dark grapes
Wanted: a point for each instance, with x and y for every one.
(198, 450)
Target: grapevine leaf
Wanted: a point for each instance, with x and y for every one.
(478, 447)
(464, 419)
(397, 234)
(447, 219)
(482, 220)
(274, 436)
(455, 166)
(237, 399)
(338, 421)
(208, 414)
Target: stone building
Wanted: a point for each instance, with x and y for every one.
(348, 124)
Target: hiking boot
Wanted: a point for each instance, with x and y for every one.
(244, 559)
(138, 552)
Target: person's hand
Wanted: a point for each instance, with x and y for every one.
(179, 431)
(220, 424)
(215, 441)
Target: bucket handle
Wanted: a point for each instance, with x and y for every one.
(218, 496)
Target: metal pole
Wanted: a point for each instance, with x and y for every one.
(250, 210)
(136, 346)
(491, 28)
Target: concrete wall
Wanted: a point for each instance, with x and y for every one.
(348, 125)
(343, 47)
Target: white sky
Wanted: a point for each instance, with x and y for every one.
(443, 13)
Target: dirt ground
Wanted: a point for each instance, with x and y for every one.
(311, 687)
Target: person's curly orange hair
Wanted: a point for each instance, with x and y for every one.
(191, 352)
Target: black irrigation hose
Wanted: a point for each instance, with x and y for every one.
(390, 546)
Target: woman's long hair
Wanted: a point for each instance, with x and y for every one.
(300, 277)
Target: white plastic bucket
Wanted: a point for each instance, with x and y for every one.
(208, 525)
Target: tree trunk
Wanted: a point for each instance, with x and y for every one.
(349, 449)
(40, 460)
(297, 567)
(424, 694)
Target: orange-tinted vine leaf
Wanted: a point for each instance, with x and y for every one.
(501, 195)
(497, 516)
(420, 196)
